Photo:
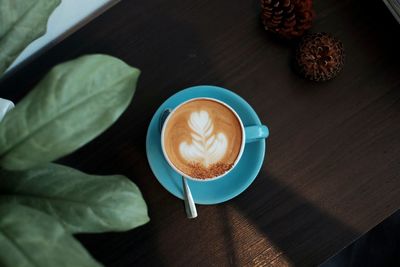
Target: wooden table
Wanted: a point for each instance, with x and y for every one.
(332, 168)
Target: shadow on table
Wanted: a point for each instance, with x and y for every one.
(130, 248)
(303, 233)
(379, 247)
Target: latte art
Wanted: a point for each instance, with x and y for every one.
(206, 147)
(202, 138)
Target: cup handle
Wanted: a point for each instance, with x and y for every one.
(256, 132)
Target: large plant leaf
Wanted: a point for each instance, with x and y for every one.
(21, 22)
(81, 202)
(73, 104)
(30, 238)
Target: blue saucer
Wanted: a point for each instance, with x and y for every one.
(216, 191)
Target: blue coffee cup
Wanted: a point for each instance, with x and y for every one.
(250, 133)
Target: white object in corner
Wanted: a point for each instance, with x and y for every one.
(5, 106)
(394, 7)
(66, 16)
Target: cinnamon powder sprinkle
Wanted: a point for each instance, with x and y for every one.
(214, 170)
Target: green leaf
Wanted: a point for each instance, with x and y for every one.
(29, 238)
(81, 202)
(21, 22)
(73, 104)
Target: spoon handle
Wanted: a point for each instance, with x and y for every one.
(190, 207)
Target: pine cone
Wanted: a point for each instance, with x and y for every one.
(287, 18)
(319, 56)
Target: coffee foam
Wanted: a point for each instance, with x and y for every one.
(203, 138)
(206, 147)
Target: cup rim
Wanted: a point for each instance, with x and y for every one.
(241, 146)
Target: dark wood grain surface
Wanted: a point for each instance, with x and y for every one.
(332, 168)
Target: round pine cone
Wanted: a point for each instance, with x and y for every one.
(287, 18)
(319, 56)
